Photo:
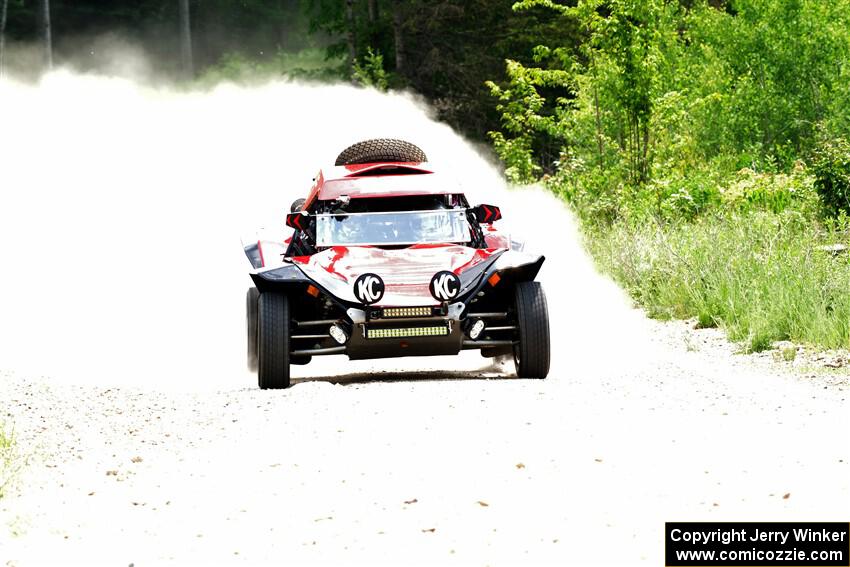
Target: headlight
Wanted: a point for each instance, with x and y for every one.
(476, 329)
(338, 334)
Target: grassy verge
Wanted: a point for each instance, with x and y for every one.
(761, 276)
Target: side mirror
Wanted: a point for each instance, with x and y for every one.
(297, 205)
(487, 214)
(298, 221)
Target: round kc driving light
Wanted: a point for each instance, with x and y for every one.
(369, 288)
(445, 286)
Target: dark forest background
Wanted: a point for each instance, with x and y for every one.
(445, 50)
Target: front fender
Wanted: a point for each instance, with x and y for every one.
(291, 280)
(279, 279)
(511, 266)
(519, 266)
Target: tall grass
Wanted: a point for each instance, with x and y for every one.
(761, 276)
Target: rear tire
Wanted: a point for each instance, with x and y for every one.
(381, 149)
(273, 341)
(531, 355)
(251, 299)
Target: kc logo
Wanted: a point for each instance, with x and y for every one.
(445, 286)
(369, 288)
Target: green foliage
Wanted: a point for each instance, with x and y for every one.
(523, 117)
(625, 56)
(444, 50)
(518, 157)
(831, 166)
(774, 72)
(609, 82)
(761, 276)
(661, 104)
(9, 460)
(370, 71)
(598, 196)
(751, 191)
(310, 64)
(257, 28)
(602, 197)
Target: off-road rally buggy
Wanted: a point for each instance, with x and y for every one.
(387, 259)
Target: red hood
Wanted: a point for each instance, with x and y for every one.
(406, 272)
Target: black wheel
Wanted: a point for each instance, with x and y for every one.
(251, 320)
(531, 355)
(381, 149)
(273, 341)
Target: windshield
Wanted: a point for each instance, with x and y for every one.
(383, 229)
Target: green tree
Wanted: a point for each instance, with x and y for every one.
(773, 67)
(370, 71)
(616, 68)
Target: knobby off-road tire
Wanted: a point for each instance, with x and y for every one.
(381, 149)
(531, 355)
(251, 299)
(273, 341)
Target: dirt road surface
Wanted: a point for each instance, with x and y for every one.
(366, 463)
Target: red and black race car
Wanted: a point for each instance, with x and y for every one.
(388, 259)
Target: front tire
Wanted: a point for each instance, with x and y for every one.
(531, 354)
(273, 341)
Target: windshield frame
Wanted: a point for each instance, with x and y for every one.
(461, 213)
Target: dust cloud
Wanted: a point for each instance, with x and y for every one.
(122, 208)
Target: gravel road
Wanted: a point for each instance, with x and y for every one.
(430, 465)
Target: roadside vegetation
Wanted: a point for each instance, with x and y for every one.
(704, 147)
(764, 277)
(9, 460)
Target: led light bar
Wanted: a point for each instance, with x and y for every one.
(396, 312)
(438, 331)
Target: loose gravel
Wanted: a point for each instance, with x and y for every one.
(408, 462)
